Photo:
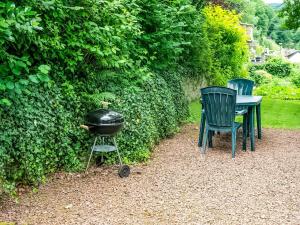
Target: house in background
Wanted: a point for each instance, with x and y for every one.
(251, 42)
(293, 57)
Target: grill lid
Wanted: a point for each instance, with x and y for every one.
(103, 116)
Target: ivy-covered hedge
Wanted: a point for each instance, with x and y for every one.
(40, 132)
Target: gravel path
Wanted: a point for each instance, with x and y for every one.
(178, 186)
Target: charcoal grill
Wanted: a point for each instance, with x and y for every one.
(105, 124)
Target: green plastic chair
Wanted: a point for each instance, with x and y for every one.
(243, 87)
(219, 105)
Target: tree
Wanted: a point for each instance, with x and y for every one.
(291, 10)
(227, 43)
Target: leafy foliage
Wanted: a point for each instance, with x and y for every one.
(291, 10)
(279, 84)
(39, 134)
(278, 67)
(278, 92)
(227, 42)
(44, 136)
(260, 77)
(18, 27)
(295, 76)
(267, 23)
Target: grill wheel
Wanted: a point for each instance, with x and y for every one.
(124, 171)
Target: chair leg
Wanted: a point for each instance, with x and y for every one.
(244, 132)
(205, 141)
(202, 127)
(210, 136)
(233, 142)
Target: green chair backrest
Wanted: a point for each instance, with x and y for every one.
(219, 106)
(242, 86)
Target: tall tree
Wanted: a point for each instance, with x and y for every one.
(291, 10)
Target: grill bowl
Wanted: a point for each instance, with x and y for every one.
(105, 129)
(104, 122)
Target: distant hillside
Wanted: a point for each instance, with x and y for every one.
(276, 6)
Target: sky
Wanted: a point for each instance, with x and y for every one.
(273, 1)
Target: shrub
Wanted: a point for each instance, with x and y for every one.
(278, 67)
(18, 29)
(278, 92)
(261, 77)
(39, 135)
(295, 76)
(40, 132)
(227, 41)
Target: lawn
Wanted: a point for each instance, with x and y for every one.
(275, 113)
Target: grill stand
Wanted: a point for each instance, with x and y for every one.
(124, 170)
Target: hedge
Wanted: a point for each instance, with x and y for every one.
(40, 132)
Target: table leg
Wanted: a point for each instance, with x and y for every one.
(258, 120)
(252, 132)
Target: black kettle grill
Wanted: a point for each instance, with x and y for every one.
(105, 124)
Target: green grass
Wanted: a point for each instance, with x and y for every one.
(275, 113)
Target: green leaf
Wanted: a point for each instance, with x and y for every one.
(34, 79)
(43, 77)
(3, 24)
(18, 88)
(2, 86)
(44, 69)
(10, 85)
(16, 70)
(24, 82)
(20, 64)
(5, 101)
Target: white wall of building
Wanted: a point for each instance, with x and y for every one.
(295, 58)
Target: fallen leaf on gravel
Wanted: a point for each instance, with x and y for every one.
(69, 206)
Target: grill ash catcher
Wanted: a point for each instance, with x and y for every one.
(105, 124)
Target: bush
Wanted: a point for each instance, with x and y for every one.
(227, 43)
(278, 92)
(278, 67)
(39, 135)
(78, 38)
(261, 77)
(40, 132)
(295, 76)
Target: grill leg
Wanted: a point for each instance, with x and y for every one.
(91, 154)
(115, 143)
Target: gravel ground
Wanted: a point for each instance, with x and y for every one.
(178, 186)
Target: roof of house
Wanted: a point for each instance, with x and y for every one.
(293, 53)
(247, 24)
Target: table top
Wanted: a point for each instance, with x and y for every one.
(248, 100)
